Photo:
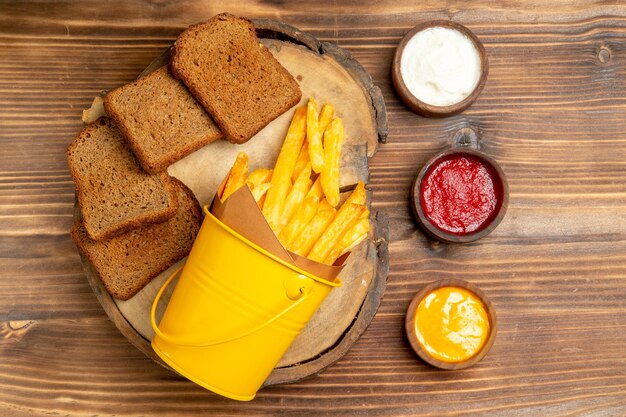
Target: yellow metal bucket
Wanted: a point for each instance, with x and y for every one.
(235, 311)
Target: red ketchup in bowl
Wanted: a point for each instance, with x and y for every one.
(461, 194)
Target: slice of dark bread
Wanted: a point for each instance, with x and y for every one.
(160, 119)
(114, 193)
(235, 77)
(126, 263)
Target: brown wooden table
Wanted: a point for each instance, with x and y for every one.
(553, 113)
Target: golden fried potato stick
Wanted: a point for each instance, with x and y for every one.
(358, 195)
(258, 177)
(286, 162)
(356, 198)
(261, 201)
(347, 215)
(326, 116)
(303, 159)
(303, 243)
(324, 205)
(316, 189)
(314, 136)
(314, 230)
(258, 193)
(295, 197)
(237, 176)
(298, 221)
(350, 238)
(333, 142)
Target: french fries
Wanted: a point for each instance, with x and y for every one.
(286, 162)
(237, 175)
(333, 142)
(303, 159)
(312, 232)
(314, 137)
(298, 197)
(358, 194)
(259, 182)
(327, 242)
(295, 197)
(298, 221)
(316, 189)
(325, 205)
(346, 216)
(326, 116)
(259, 192)
(350, 238)
(258, 177)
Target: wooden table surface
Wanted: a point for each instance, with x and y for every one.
(553, 113)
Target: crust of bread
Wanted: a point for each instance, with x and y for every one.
(123, 226)
(208, 95)
(169, 153)
(93, 250)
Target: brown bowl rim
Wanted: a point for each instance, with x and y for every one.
(442, 235)
(410, 328)
(416, 104)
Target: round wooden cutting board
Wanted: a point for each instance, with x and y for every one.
(329, 74)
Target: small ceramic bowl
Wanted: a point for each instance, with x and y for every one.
(411, 331)
(430, 110)
(460, 148)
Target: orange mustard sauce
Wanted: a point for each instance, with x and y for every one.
(451, 324)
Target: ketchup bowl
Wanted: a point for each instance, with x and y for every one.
(460, 195)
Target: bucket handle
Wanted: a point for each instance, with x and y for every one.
(179, 342)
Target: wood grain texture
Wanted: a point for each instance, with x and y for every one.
(553, 114)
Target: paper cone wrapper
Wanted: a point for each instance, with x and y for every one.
(241, 213)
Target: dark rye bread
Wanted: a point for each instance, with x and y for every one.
(235, 77)
(160, 119)
(114, 193)
(128, 262)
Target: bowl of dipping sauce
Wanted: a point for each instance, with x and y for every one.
(460, 195)
(439, 68)
(451, 324)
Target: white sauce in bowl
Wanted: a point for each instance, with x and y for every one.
(440, 66)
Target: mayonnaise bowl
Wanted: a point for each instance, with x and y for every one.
(440, 68)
